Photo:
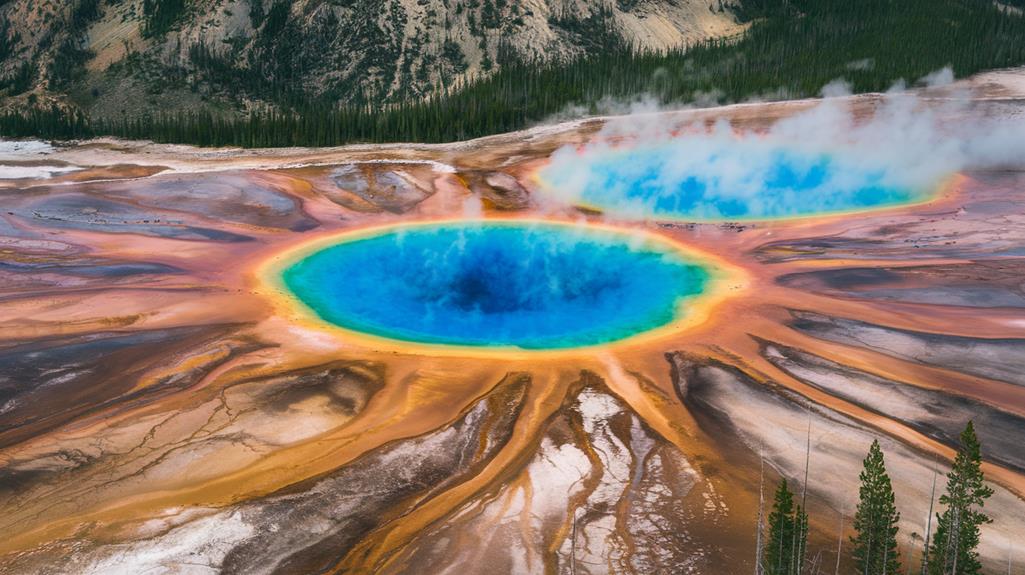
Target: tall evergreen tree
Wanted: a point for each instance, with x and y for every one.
(787, 534)
(875, 521)
(955, 543)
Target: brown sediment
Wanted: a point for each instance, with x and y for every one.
(222, 405)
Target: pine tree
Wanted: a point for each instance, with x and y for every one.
(955, 543)
(787, 534)
(875, 521)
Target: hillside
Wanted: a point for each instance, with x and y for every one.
(317, 73)
(113, 58)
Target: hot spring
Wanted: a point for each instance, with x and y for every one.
(718, 179)
(519, 284)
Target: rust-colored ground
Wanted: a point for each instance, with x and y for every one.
(161, 409)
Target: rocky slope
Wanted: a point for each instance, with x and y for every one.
(127, 56)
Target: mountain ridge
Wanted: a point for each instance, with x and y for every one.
(111, 58)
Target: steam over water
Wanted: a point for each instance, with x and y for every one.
(498, 284)
(711, 179)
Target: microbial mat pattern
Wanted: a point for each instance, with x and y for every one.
(427, 360)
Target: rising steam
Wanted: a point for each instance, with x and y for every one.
(822, 159)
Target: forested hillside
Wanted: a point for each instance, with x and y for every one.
(125, 58)
(792, 48)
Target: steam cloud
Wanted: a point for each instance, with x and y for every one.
(818, 160)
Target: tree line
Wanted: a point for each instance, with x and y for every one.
(158, 16)
(792, 49)
(949, 549)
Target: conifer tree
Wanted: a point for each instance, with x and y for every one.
(875, 521)
(955, 543)
(787, 534)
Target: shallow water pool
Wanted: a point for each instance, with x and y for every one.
(530, 285)
(716, 181)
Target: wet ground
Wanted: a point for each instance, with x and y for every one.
(160, 409)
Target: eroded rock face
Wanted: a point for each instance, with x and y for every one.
(352, 52)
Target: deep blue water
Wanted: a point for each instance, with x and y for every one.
(723, 182)
(497, 284)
